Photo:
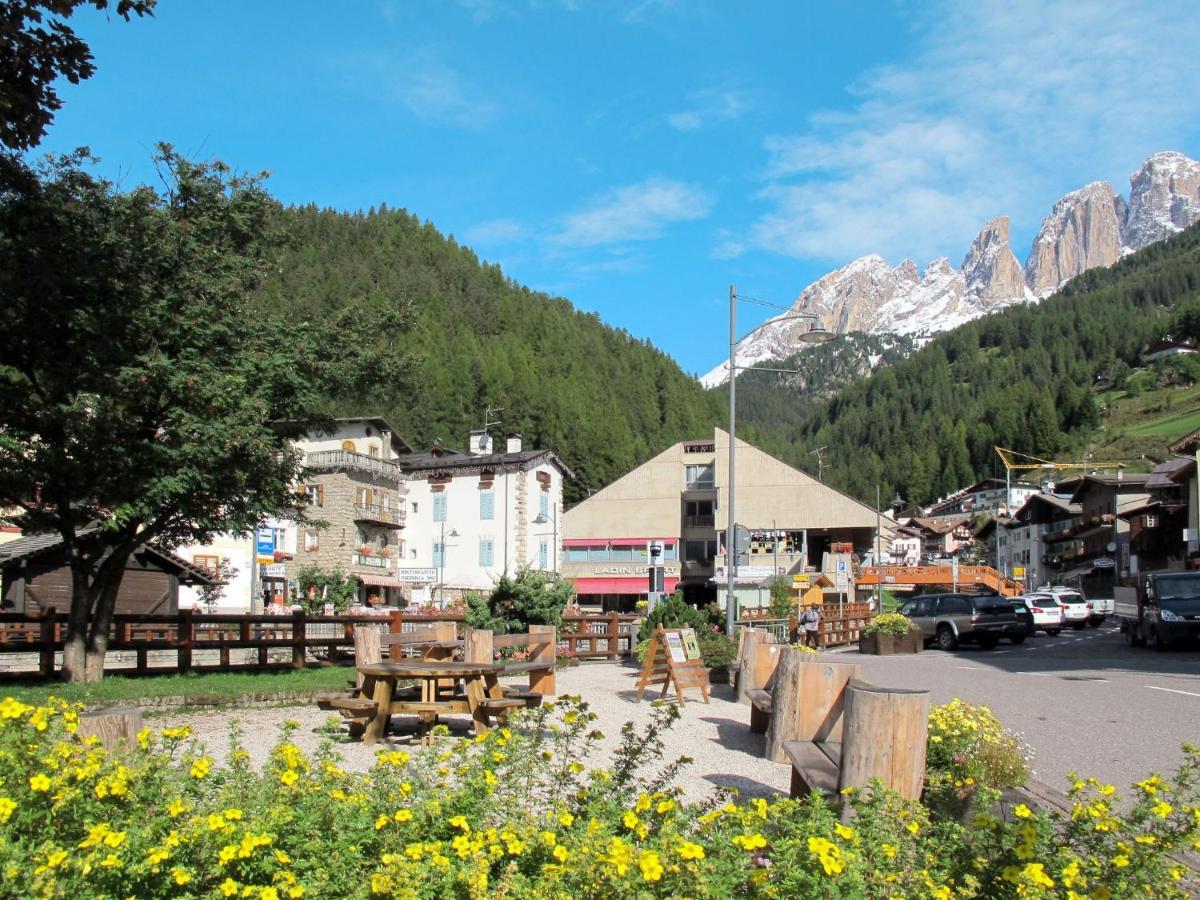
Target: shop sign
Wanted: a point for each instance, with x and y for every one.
(265, 541)
(633, 570)
(276, 570)
(745, 573)
(373, 562)
(417, 576)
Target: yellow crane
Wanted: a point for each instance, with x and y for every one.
(1015, 460)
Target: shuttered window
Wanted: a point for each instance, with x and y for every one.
(487, 504)
(487, 552)
(439, 507)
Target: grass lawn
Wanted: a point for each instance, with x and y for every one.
(116, 689)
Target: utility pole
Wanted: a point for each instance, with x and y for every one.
(878, 561)
(820, 462)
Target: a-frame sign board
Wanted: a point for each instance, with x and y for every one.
(673, 658)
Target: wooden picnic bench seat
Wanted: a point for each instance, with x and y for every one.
(541, 645)
(816, 767)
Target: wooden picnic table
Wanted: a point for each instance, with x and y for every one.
(482, 696)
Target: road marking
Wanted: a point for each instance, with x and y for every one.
(1039, 674)
(976, 668)
(1172, 690)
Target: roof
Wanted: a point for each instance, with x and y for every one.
(445, 460)
(32, 545)
(1188, 444)
(1117, 481)
(1163, 475)
(939, 526)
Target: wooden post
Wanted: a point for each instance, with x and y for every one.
(115, 727)
(478, 647)
(366, 649)
(806, 701)
(299, 639)
(614, 629)
(396, 622)
(751, 638)
(543, 682)
(187, 634)
(46, 651)
(884, 737)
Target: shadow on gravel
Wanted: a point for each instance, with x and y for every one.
(746, 787)
(735, 735)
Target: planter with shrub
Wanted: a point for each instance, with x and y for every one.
(890, 633)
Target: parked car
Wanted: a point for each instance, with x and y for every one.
(1046, 611)
(950, 619)
(1076, 610)
(1025, 625)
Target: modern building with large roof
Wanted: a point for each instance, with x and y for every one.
(795, 523)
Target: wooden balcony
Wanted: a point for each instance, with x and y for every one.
(375, 514)
(348, 461)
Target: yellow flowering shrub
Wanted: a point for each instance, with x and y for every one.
(970, 756)
(516, 813)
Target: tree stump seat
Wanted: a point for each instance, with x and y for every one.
(816, 767)
(760, 710)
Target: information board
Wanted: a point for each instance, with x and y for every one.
(667, 663)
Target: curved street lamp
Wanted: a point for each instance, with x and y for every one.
(816, 333)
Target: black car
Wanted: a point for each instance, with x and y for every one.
(1024, 627)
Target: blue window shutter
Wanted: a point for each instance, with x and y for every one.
(439, 555)
(543, 556)
(487, 505)
(439, 507)
(544, 504)
(486, 557)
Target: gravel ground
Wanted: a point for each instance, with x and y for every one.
(716, 735)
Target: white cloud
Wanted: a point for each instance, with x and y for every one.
(1002, 104)
(708, 106)
(495, 231)
(430, 89)
(634, 212)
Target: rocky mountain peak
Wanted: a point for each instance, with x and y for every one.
(1083, 230)
(990, 270)
(1164, 198)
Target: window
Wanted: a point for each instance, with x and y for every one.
(416, 507)
(624, 554)
(670, 551)
(312, 540)
(362, 538)
(439, 507)
(699, 551)
(364, 497)
(577, 554)
(348, 445)
(486, 552)
(954, 606)
(544, 505)
(487, 504)
(598, 553)
(698, 477)
(439, 555)
(315, 494)
(544, 555)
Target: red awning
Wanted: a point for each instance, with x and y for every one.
(379, 580)
(638, 585)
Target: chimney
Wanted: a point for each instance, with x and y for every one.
(514, 442)
(386, 437)
(479, 443)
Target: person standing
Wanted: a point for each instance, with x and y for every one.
(811, 620)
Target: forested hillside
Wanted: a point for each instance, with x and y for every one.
(1025, 378)
(604, 400)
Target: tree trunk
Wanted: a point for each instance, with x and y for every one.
(93, 600)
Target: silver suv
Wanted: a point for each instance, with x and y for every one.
(950, 619)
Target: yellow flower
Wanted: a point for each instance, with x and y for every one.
(403, 815)
(1036, 873)
(549, 838)
(228, 854)
(289, 777)
(643, 804)
(229, 887)
(269, 893)
(630, 819)
(1022, 811)
(889, 850)
(560, 853)
(39, 782)
(760, 806)
(176, 808)
(566, 819)
(7, 808)
(282, 858)
(688, 850)
(912, 827)
(1120, 861)
(459, 822)
(1162, 809)
(201, 767)
(667, 805)
(181, 876)
(650, 865)
(845, 832)
(382, 821)
(750, 841)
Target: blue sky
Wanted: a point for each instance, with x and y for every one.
(638, 156)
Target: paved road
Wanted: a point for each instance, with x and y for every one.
(1084, 701)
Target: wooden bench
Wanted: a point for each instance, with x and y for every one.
(883, 736)
(540, 645)
(356, 707)
(760, 710)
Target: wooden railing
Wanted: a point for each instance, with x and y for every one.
(586, 637)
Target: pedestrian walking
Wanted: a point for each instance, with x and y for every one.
(811, 620)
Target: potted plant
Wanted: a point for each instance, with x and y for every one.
(889, 633)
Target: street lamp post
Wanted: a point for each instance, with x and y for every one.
(442, 566)
(815, 334)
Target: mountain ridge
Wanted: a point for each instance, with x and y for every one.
(1089, 227)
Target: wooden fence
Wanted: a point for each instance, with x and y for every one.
(297, 634)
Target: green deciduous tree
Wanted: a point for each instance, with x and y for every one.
(142, 396)
(38, 47)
